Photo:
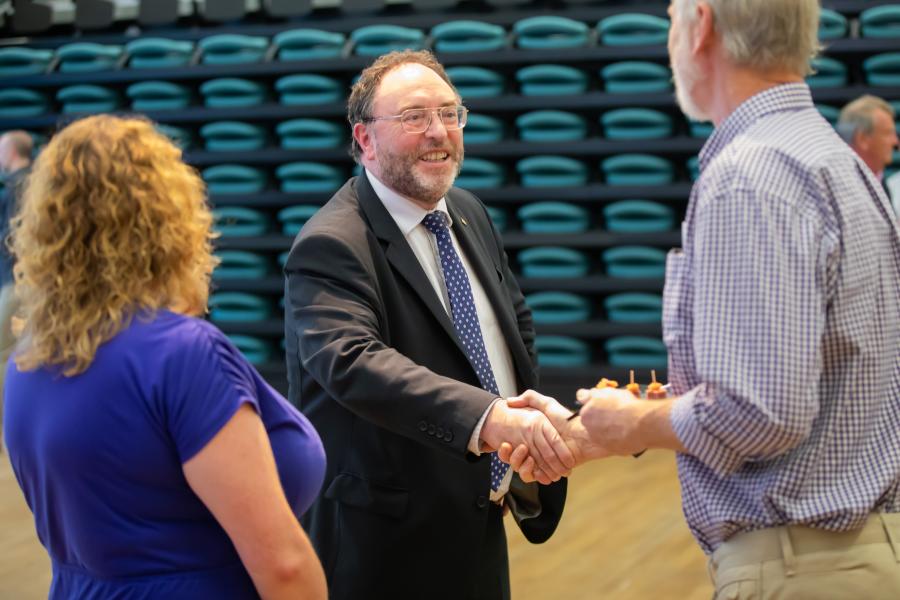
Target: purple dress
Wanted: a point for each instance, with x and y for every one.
(99, 457)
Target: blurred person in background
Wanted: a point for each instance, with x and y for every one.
(156, 461)
(867, 124)
(16, 148)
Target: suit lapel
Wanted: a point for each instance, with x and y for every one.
(401, 256)
(489, 275)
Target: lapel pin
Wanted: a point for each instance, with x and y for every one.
(463, 220)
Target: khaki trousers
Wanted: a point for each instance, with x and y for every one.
(801, 563)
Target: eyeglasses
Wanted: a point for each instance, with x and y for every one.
(418, 120)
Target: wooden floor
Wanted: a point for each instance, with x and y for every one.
(622, 538)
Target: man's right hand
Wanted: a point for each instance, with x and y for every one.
(572, 431)
(553, 458)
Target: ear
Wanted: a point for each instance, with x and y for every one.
(703, 31)
(861, 141)
(365, 140)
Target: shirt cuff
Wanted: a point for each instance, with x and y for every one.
(686, 418)
(475, 440)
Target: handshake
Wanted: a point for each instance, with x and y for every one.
(543, 441)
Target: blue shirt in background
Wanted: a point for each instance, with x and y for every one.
(99, 457)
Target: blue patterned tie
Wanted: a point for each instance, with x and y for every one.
(465, 318)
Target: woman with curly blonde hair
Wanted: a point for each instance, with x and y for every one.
(156, 461)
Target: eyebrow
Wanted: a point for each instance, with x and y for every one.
(403, 107)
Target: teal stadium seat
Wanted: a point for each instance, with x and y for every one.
(16, 102)
(633, 307)
(693, 167)
(880, 21)
(636, 351)
(87, 57)
(700, 129)
(551, 80)
(478, 173)
(239, 264)
(553, 217)
(636, 77)
(636, 124)
(499, 218)
(308, 89)
(634, 262)
(230, 307)
(180, 136)
(476, 82)
(832, 24)
(293, 218)
(553, 308)
(308, 177)
(883, 69)
(553, 262)
(232, 92)
(234, 179)
(158, 95)
(633, 29)
(19, 60)
(551, 126)
(255, 350)
(87, 98)
(375, 40)
(637, 169)
(829, 73)
(233, 136)
(239, 221)
(308, 44)
(561, 351)
(638, 216)
(547, 32)
(551, 171)
(467, 36)
(158, 53)
(482, 129)
(232, 49)
(831, 113)
(309, 134)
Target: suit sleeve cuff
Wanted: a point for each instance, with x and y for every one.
(475, 440)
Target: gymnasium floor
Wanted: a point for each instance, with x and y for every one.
(622, 538)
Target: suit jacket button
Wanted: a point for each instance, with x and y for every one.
(481, 502)
(440, 433)
(431, 430)
(448, 436)
(423, 426)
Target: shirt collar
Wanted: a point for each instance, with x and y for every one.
(406, 213)
(784, 97)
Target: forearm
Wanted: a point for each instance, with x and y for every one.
(654, 429)
(293, 575)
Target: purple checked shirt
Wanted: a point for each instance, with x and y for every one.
(782, 320)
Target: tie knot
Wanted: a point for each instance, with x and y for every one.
(435, 222)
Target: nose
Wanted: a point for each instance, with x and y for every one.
(436, 128)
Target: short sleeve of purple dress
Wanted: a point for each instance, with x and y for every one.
(99, 457)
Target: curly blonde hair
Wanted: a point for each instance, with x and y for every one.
(111, 223)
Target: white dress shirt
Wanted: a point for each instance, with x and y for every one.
(408, 215)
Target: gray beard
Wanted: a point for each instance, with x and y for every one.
(398, 174)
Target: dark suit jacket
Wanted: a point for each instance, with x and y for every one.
(374, 362)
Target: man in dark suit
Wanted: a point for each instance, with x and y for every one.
(405, 331)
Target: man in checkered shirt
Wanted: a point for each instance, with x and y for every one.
(782, 320)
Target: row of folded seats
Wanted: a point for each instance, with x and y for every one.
(551, 217)
(548, 308)
(542, 32)
(537, 262)
(535, 171)
(307, 89)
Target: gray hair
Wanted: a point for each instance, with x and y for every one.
(764, 34)
(858, 116)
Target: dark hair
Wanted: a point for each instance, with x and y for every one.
(362, 95)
